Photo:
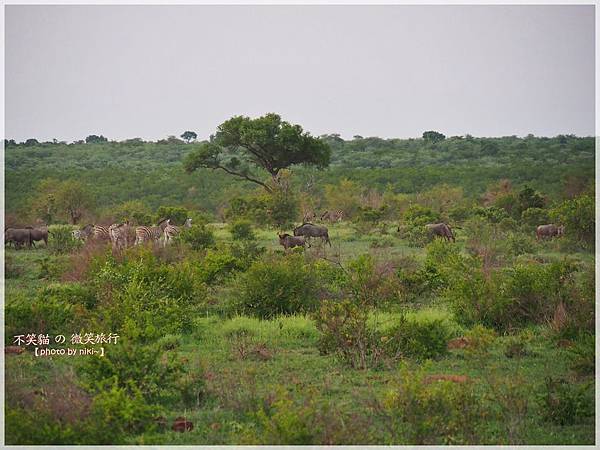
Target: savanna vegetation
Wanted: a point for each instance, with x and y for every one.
(388, 336)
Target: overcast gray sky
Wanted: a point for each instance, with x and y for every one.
(389, 71)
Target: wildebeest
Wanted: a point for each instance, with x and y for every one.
(549, 230)
(310, 230)
(291, 241)
(18, 236)
(441, 229)
(38, 234)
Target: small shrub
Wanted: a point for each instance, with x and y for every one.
(146, 369)
(344, 332)
(280, 285)
(566, 404)
(198, 237)
(583, 355)
(169, 342)
(417, 339)
(441, 412)
(39, 315)
(117, 412)
(241, 230)
(61, 240)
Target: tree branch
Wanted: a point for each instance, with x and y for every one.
(246, 177)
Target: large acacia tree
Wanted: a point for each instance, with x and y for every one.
(243, 147)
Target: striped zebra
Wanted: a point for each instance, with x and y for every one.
(309, 216)
(119, 235)
(333, 216)
(152, 234)
(171, 230)
(101, 232)
(84, 233)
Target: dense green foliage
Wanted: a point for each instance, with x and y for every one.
(152, 172)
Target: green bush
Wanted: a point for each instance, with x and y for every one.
(566, 403)
(144, 298)
(117, 412)
(433, 413)
(217, 265)
(198, 237)
(279, 285)
(417, 339)
(241, 230)
(578, 217)
(344, 332)
(61, 240)
(511, 297)
(582, 355)
(69, 293)
(38, 315)
(136, 368)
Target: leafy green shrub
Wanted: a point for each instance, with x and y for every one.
(433, 413)
(146, 369)
(61, 240)
(417, 339)
(565, 403)
(344, 332)
(241, 230)
(169, 342)
(279, 285)
(578, 217)
(198, 237)
(480, 340)
(144, 298)
(518, 244)
(515, 347)
(532, 217)
(69, 293)
(418, 281)
(512, 297)
(53, 267)
(217, 265)
(38, 315)
(413, 228)
(117, 412)
(583, 355)
(177, 214)
(284, 420)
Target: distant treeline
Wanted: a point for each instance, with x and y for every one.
(152, 172)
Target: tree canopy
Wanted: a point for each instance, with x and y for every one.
(242, 145)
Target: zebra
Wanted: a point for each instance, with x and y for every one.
(84, 233)
(333, 216)
(309, 216)
(119, 235)
(143, 234)
(171, 230)
(101, 232)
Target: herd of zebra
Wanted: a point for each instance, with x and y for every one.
(123, 235)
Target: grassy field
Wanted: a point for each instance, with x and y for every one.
(263, 380)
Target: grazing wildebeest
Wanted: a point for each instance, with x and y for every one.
(310, 230)
(39, 234)
(441, 229)
(18, 236)
(549, 230)
(291, 241)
